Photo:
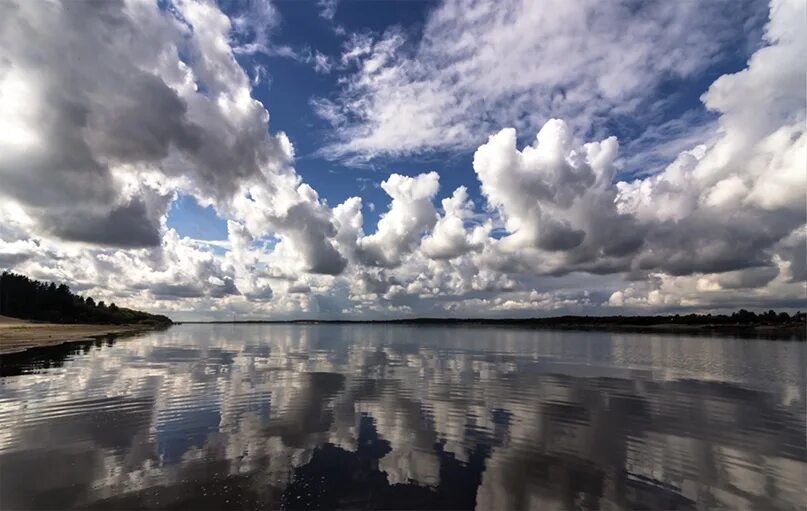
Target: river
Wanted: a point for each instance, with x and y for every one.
(404, 416)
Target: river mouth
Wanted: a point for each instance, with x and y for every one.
(404, 417)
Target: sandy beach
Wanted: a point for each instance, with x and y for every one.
(19, 335)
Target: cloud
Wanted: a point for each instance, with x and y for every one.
(94, 150)
(252, 25)
(322, 64)
(450, 238)
(483, 65)
(167, 107)
(130, 107)
(308, 230)
(793, 252)
(725, 206)
(154, 104)
(129, 225)
(327, 8)
(557, 203)
(410, 214)
(271, 415)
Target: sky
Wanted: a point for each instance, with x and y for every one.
(367, 160)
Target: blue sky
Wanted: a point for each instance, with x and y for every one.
(288, 84)
(332, 159)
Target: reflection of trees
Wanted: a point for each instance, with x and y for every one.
(407, 417)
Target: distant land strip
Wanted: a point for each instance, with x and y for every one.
(742, 323)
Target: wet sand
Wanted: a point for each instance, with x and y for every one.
(18, 335)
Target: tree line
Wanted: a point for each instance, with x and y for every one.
(740, 318)
(26, 298)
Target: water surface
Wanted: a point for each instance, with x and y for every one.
(397, 416)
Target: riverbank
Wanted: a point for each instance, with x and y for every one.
(18, 335)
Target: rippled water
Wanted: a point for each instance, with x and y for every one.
(358, 416)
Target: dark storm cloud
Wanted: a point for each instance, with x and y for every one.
(751, 278)
(9, 260)
(709, 244)
(141, 121)
(559, 236)
(128, 226)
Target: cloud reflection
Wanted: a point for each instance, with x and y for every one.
(395, 416)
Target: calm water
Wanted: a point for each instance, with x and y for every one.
(360, 416)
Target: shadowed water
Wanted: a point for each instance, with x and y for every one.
(374, 416)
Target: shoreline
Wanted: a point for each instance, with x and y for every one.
(791, 331)
(18, 336)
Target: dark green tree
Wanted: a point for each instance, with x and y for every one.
(26, 298)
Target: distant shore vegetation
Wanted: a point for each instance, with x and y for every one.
(743, 323)
(26, 298)
(741, 318)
